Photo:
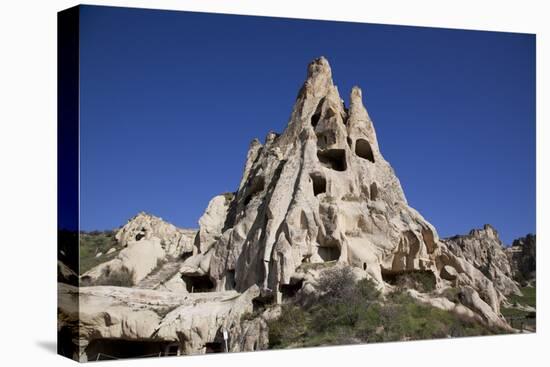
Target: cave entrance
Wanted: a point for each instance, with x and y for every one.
(214, 347)
(108, 349)
(290, 290)
(329, 253)
(333, 158)
(198, 284)
(319, 183)
(364, 150)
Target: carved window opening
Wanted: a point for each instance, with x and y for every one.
(333, 158)
(198, 284)
(364, 150)
(319, 184)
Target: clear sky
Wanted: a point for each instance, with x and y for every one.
(171, 100)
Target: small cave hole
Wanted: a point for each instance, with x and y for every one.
(319, 184)
(213, 347)
(331, 253)
(290, 290)
(333, 158)
(365, 266)
(364, 150)
(198, 284)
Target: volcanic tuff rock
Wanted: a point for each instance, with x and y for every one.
(190, 320)
(483, 249)
(522, 255)
(173, 240)
(147, 241)
(319, 195)
(322, 191)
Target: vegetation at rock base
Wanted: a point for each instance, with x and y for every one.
(351, 312)
(517, 317)
(93, 243)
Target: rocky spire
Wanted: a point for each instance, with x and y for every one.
(322, 192)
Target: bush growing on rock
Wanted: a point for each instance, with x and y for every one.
(350, 312)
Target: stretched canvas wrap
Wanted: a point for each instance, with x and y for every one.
(181, 233)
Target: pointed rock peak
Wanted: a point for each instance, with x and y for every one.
(319, 79)
(356, 96)
(319, 67)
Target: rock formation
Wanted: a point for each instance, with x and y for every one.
(483, 249)
(522, 256)
(317, 195)
(174, 241)
(158, 320)
(322, 191)
(148, 242)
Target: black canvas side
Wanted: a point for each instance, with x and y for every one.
(68, 168)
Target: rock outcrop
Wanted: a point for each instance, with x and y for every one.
(483, 249)
(522, 255)
(173, 240)
(158, 320)
(320, 192)
(148, 243)
(318, 195)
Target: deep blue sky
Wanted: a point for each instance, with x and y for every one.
(171, 100)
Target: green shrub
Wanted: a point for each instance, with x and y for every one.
(289, 329)
(92, 243)
(350, 312)
(422, 281)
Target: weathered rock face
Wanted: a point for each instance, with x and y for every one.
(483, 249)
(319, 195)
(157, 320)
(173, 240)
(522, 256)
(147, 242)
(319, 192)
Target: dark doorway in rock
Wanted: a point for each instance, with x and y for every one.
(319, 183)
(290, 290)
(364, 150)
(364, 266)
(214, 347)
(139, 236)
(230, 282)
(333, 158)
(373, 191)
(109, 349)
(172, 350)
(198, 284)
(329, 253)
